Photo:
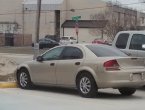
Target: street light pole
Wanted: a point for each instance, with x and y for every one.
(36, 45)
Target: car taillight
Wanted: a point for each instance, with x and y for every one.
(111, 65)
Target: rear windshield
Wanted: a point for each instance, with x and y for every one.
(64, 38)
(72, 38)
(105, 51)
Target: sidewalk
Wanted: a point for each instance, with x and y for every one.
(19, 50)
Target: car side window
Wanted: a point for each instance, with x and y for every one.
(48, 41)
(53, 54)
(121, 42)
(137, 41)
(72, 53)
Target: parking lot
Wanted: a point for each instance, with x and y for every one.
(65, 99)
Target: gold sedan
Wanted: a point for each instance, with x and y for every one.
(87, 67)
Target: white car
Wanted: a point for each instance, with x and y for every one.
(130, 42)
(68, 40)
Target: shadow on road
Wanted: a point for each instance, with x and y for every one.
(56, 90)
(105, 95)
(100, 95)
(142, 89)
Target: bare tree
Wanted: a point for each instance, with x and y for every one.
(115, 21)
(112, 26)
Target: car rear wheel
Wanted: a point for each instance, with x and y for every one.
(86, 85)
(24, 80)
(127, 91)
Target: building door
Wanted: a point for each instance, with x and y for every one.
(9, 39)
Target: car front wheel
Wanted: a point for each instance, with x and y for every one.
(23, 79)
(127, 91)
(86, 85)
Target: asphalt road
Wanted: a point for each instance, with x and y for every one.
(65, 99)
(19, 50)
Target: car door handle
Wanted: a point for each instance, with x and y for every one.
(52, 64)
(77, 63)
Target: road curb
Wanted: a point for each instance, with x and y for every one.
(8, 85)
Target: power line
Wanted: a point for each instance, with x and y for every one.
(104, 6)
(29, 12)
(77, 9)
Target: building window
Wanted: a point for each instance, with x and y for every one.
(142, 20)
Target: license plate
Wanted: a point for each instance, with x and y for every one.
(136, 76)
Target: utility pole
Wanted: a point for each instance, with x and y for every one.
(23, 20)
(38, 20)
(36, 45)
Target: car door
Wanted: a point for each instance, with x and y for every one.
(123, 42)
(44, 71)
(136, 44)
(67, 66)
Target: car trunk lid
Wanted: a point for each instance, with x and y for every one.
(131, 62)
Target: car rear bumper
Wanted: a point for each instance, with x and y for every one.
(120, 84)
(125, 79)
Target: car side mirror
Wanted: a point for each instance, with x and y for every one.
(143, 46)
(39, 59)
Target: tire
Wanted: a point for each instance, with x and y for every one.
(91, 90)
(23, 79)
(127, 91)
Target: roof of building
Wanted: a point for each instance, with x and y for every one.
(46, 4)
(85, 23)
(43, 1)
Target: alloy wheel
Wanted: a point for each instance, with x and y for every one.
(23, 79)
(85, 85)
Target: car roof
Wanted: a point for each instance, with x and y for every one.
(85, 44)
(67, 36)
(47, 39)
(133, 32)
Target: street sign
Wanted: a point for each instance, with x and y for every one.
(76, 18)
(77, 28)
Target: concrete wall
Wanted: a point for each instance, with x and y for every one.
(11, 10)
(20, 40)
(83, 5)
(46, 23)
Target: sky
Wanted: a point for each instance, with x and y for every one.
(139, 6)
